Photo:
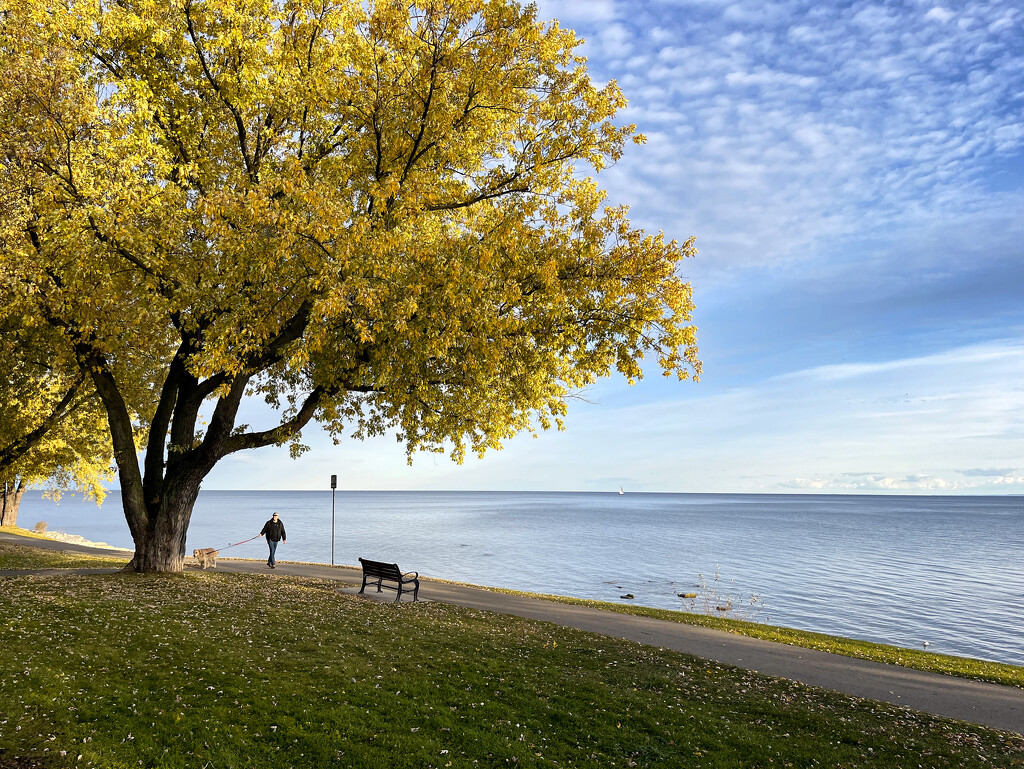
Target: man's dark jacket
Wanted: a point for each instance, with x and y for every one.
(274, 530)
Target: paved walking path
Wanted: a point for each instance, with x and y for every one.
(1000, 707)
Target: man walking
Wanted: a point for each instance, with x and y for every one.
(274, 529)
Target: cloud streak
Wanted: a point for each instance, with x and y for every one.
(881, 428)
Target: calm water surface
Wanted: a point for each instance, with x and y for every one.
(896, 570)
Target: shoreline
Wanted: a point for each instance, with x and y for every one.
(75, 539)
(63, 536)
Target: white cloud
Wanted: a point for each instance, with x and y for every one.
(573, 13)
(995, 353)
(939, 14)
(616, 42)
(875, 483)
(1000, 473)
(910, 484)
(1005, 22)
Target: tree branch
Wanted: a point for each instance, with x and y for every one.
(212, 80)
(283, 431)
(477, 199)
(18, 448)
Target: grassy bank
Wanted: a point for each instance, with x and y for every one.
(14, 556)
(222, 670)
(964, 667)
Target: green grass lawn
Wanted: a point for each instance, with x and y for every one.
(224, 670)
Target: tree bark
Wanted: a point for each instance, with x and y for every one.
(13, 491)
(160, 532)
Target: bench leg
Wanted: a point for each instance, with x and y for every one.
(415, 590)
(364, 584)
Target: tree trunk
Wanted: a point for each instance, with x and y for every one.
(159, 531)
(13, 491)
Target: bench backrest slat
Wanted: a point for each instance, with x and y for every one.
(381, 569)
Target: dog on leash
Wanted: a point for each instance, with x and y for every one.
(206, 556)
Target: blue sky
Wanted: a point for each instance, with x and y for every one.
(854, 174)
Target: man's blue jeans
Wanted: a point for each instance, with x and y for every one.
(273, 549)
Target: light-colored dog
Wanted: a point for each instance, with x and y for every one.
(206, 556)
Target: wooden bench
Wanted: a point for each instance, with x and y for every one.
(389, 572)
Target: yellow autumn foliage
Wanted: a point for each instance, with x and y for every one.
(53, 431)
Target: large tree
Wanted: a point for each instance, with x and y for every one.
(374, 214)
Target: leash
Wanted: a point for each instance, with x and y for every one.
(242, 542)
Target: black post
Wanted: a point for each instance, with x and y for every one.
(334, 485)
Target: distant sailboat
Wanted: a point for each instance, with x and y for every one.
(621, 491)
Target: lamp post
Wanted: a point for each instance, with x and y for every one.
(334, 485)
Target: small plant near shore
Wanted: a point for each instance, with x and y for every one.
(40, 527)
(712, 599)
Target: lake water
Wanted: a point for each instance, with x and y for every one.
(900, 570)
